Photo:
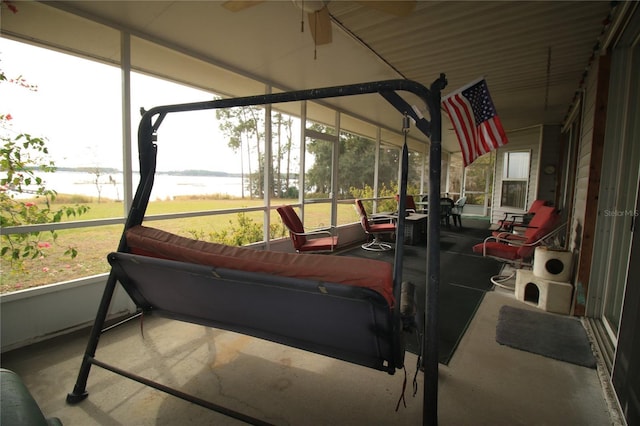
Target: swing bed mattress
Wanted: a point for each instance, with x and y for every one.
(338, 306)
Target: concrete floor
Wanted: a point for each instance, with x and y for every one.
(484, 384)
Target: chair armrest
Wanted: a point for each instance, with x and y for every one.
(391, 217)
(513, 215)
(504, 238)
(510, 220)
(316, 232)
(517, 240)
(507, 238)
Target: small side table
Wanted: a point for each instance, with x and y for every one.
(415, 229)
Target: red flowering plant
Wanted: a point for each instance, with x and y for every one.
(10, 5)
(21, 156)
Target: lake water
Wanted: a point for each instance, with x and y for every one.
(164, 187)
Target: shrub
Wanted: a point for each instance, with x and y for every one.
(21, 155)
(246, 231)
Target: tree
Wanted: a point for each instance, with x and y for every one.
(318, 177)
(479, 178)
(21, 156)
(97, 173)
(113, 182)
(288, 149)
(357, 161)
(243, 126)
(282, 150)
(356, 164)
(240, 125)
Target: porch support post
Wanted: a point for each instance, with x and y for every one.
(268, 171)
(125, 71)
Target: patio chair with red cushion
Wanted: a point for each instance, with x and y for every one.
(375, 229)
(410, 204)
(511, 220)
(306, 241)
(518, 250)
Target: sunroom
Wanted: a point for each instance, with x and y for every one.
(207, 47)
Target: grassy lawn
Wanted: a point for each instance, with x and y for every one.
(93, 244)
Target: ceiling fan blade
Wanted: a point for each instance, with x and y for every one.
(238, 5)
(320, 26)
(392, 7)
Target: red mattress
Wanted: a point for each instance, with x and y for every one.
(374, 274)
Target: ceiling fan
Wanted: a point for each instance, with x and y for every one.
(318, 15)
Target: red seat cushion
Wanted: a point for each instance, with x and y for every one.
(320, 244)
(382, 228)
(497, 249)
(374, 274)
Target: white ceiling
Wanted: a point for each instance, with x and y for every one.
(533, 54)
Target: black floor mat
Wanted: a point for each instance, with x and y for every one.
(464, 278)
(553, 336)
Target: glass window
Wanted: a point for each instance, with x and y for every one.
(454, 188)
(478, 180)
(417, 179)
(356, 166)
(516, 165)
(388, 178)
(356, 173)
(318, 161)
(285, 153)
(71, 108)
(515, 179)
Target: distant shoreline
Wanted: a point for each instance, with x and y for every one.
(108, 170)
(108, 183)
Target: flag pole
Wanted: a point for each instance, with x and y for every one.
(465, 87)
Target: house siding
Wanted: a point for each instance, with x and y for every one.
(589, 176)
(584, 161)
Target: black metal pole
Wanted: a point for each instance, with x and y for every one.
(402, 206)
(400, 226)
(430, 338)
(80, 388)
(182, 395)
(294, 96)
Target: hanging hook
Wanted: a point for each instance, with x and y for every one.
(405, 123)
(315, 36)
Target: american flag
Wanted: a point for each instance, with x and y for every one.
(475, 120)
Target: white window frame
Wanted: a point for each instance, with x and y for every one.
(520, 178)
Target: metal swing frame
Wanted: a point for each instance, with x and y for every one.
(388, 89)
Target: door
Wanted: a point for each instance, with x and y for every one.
(626, 371)
(618, 189)
(622, 212)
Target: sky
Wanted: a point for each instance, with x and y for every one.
(77, 109)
